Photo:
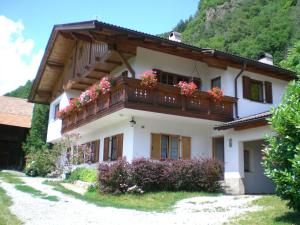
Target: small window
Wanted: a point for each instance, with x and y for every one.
(254, 90)
(246, 161)
(113, 148)
(166, 146)
(56, 109)
(216, 82)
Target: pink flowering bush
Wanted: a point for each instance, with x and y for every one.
(216, 93)
(187, 89)
(149, 79)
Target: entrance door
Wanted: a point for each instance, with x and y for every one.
(218, 148)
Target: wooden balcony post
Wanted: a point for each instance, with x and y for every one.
(183, 102)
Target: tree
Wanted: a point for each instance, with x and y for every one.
(282, 155)
(36, 139)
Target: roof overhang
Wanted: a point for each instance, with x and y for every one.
(248, 122)
(62, 38)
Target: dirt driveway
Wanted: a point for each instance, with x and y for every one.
(68, 210)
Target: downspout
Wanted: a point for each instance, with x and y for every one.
(235, 89)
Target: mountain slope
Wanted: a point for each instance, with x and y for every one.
(244, 27)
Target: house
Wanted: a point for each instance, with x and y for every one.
(161, 124)
(15, 122)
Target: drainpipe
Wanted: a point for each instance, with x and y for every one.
(235, 89)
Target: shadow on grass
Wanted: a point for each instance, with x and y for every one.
(290, 218)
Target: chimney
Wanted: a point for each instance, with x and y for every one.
(175, 36)
(266, 58)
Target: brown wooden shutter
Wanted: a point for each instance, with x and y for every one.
(268, 92)
(246, 87)
(106, 149)
(96, 150)
(186, 147)
(119, 146)
(155, 146)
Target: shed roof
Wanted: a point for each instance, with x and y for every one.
(15, 112)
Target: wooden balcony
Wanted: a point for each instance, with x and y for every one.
(127, 93)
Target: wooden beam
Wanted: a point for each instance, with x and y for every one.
(124, 60)
(53, 64)
(118, 63)
(42, 94)
(101, 71)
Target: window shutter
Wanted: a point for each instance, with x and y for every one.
(268, 92)
(96, 150)
(106, 149)
(246, 87)
(186, 147)
(119, 146)
(155, 146)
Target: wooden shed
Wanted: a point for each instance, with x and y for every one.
(15, 122)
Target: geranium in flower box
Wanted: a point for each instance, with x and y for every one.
(187, 89)
(148, 79)
(216, 93)
(104, 85)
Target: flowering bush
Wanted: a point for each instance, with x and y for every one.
(149, 79)
(148, 175)
(187, 89)
(114, 177)
(216, 93)
(104, 85)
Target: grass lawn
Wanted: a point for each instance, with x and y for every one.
(10, 178)
(6, 218)
(156, 201)
(274, 212)
(36, 193)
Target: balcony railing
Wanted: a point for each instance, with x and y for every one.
(127, 93)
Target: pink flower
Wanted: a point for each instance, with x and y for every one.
(149, 79)
(104, 85)
(187, 89)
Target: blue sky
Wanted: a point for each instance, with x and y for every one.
(153, 17)
(26, 26)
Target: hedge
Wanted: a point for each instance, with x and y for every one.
(150, 175)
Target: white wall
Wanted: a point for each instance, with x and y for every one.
(54, 125)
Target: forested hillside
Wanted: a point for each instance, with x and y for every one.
(244, 27)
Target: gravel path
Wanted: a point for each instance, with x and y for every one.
(71, 211)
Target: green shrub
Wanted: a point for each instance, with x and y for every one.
(83, 174)
(39, 163)
(282, 156)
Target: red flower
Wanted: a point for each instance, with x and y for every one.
(216, 93)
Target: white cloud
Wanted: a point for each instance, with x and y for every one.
(18, 61)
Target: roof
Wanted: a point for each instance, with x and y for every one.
(87, 30)
(15, 112)
(260, 117)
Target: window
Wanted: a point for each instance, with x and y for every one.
(166, 146)
(216, 82)
(172, 79)
(94, 151)
(246, 160)
(254, 90)
(113, 147)
(56, 109)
